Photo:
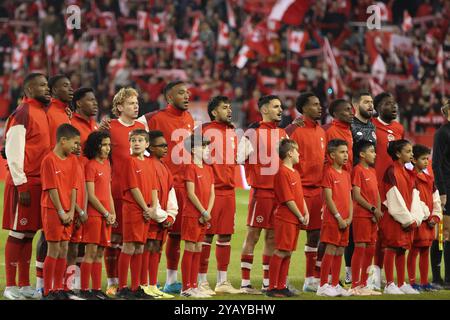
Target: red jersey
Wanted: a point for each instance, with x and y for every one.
(80, 183)
(426, 187)
(341, 130)
(84, 126)
(202, 178)
(223, 153)
(164, 181)
(260, 167)
(397, 175)
(100, 175)
(27, 141)
(341, 188)
(288, 187)
(56, 115)
(120, 152)
(366, 180)
(312, 144)
(167, 121)
(57, 173)
(139, 174)
(385, 133)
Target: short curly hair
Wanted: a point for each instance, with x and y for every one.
(121, 96)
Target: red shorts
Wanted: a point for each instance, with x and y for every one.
(330, 233)
(117, 226)
(364, 230)
(181, 195)
(77, 234)
(156, 232)
(393, 235)
(53, 228)
(17, 217)
(424, 235)
(97, 231)
(314, 204)
(192, 230)
(134, 227)
(222, 214)
(261, 208)
(286, 235)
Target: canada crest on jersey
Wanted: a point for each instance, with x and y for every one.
(390, 137)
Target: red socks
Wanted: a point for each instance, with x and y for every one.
(274, 273)
(135, 267)
(111, 261)
(145, 267)
(153, 263)
(325, 268)
(389, 256)
(49, 273)
(266, 263)
(13, 249)
(223, 252)
(60, 270)
(246, 266)
(173, 251)
(85, 275)
(358, 255)
(124, 264)
(96, 275)
(310, 262)
(204, 257)
(24, 262)
(423, 265)
(186, 264)
(335, 270)
(366, 262)
(400, 260)
(411, 265)
(195, 268)
(284, 273)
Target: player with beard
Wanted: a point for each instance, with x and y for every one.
(387, 130)
(362, 129)
(257, 150)
(221, 132)
(27, 141)
(311, 142)
(58, 112)
(174, 118)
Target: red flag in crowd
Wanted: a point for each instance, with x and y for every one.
(153, 28)
(242, 57)
(181, 49)
(143, 19)
(231, 16)
(297, 40)
(385, 12)
(195, 34)
(290, 11)
(407, 21)
(224, 35)
(257, 40)
(377, 42)
(334, 76)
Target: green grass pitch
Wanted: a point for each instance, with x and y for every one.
(296, 271)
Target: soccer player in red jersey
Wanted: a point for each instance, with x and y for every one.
(167, 205)
(221, 132)
(386, 129)
(337, 218)
(140, 199)
(311, 141)
(85, 105)
(100, 212)
(58, 207)
(176, 123)
(402, 214)
(366, 214)
(340, 128)
(199, 180)
(257, 149)
(425, 233)
(126, 108)
(27, 126)
(290, 213)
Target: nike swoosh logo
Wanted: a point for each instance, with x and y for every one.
(58, 171)
(137, 171)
